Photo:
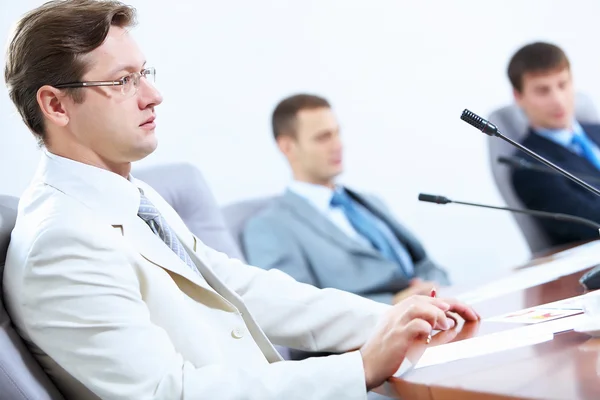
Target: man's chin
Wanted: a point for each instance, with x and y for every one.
(558, 123)
(333, 175)
(144, 151)
(564, 121)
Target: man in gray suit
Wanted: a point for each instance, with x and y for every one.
(328, 235)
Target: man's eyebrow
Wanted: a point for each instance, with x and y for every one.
(126, 67)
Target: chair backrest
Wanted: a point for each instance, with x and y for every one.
(21, 377)
(183, 186)
(237, 214)
(513, 123)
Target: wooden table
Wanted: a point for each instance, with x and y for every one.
(567, 367)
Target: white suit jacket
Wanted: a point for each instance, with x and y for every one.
(111, 312)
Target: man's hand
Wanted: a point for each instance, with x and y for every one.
(417, 287)
(409, 320)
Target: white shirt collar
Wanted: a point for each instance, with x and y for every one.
(563, 137)
(103, 191)
(318, 196)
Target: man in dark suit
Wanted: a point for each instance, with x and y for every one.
(542, 83)
(327, 235)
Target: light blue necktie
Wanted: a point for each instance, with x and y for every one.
(366, 225)
(149, 213)
(587, 148)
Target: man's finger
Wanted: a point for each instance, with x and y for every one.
(428, 312)
(418, 328)
(445, 324)
(465, 311)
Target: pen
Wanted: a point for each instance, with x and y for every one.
(432, 295)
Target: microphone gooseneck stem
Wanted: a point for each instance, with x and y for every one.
(543, 214)
(549, 164)
(521, 163)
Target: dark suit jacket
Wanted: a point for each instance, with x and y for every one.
(555, 193)
(294, 237)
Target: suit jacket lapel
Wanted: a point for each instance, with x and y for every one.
(560, 154)
(153, 249)
(402, 234)
(191, 244)
(317, 221)
(593, 132)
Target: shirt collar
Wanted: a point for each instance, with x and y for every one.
(105, 192)
(318, 196)
(561, 136)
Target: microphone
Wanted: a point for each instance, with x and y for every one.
(430, 198)
(492, 130)
(591, 279)
(521, 163)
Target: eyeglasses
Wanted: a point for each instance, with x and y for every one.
(129, 83)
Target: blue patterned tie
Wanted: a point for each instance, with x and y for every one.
(587, 148)
(149, 213)
(366, 225)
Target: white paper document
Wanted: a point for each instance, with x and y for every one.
(562, 264)
(534, 315)
(543, 313)
(556, 326)
(572, 303)
(497, 342)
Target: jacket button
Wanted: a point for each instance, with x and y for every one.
(237, 333)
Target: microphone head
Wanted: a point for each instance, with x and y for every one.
(430, 198)
(475, 120)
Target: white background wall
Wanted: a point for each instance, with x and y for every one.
(399, 73)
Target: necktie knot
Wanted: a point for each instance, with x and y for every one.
(340, 199)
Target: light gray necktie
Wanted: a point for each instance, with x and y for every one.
(149, 213)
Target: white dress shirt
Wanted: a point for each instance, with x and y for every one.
(319, 197)
(564, 137)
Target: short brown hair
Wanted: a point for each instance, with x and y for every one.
(533, 58)
(284, 115)
(47, 49)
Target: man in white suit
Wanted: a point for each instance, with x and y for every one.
(114, 295)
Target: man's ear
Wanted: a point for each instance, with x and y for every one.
(518, 96)
(51, 102)
(286, 144)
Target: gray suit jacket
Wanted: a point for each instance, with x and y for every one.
(294, 237)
